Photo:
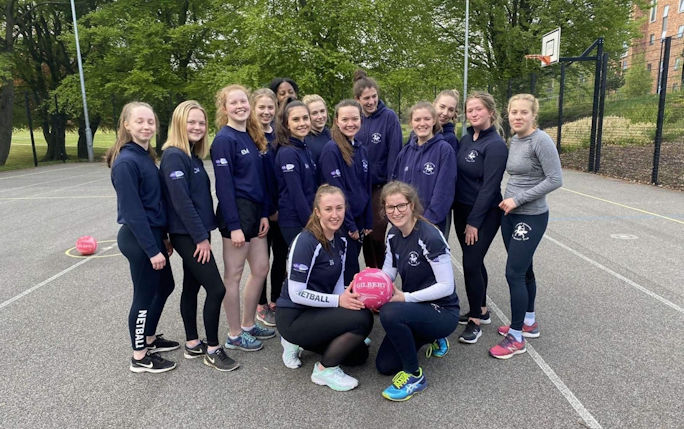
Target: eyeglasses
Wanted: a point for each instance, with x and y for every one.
(401, 207)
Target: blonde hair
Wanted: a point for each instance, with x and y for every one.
(489, 104)
(178, 130)
(254, 128)
(437, 127)
(123, 136)
(449, 93)
(313, 225)
(408, 191)
(260, 93)
(340, 139)
(534, 104)
(312, 98)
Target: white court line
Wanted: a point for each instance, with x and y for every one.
(42, 183)
(33, 174)
(548, 371)
(45, 282)
(616, 275)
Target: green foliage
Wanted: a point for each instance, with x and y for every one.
(638, 80)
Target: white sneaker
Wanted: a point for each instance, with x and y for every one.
(333, 377)
(291, 353)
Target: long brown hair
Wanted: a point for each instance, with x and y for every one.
(340, 139)
(178, 130)
(489, 104)
(314, 223)
(254, 129)
(361, 82)
(283, 132)
(408, 191)
(123, 136)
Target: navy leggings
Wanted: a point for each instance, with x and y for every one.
(278, 248)
(196, 275)
(151, 287)
(336, 333)
(521, 236)
(409, 326)
(351, 263)
(474, 271)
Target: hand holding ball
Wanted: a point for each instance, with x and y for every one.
(374, 287)
(86, 245)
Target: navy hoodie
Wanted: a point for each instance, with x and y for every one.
(188, 192)
(481, 165)
(297, 183)
(354, 180)
(239, 172)
(316, 141)
(380, 134)
(270, 173)
(431, 169)
(449, 134)
(139, 198)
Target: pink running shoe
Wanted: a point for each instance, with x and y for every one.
(528, 331)
(507, 348)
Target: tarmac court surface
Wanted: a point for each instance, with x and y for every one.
(610, 300)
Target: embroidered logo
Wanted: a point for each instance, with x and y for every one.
(413, 259)
(364, 163)
(221, 162)
(471, 156)
(196, 170)
(244, 151)
(287, 168)
(429, 168)
(302, 268)
(332, 262)
(175, 175)
(336, 173)
(521, 231)
(376, 138)
(306, 165)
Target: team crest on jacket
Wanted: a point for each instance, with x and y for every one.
(521, 231)
(244, 151)
(196, 170)
(364, 163)
(471, 156)
(429, 168)
(376, 138)
(221, 162)
(413, 258)
(336, 173)
(287, 168)
(174, 175)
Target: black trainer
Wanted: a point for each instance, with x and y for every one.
(220, 360)
(470, 334)
(161, 344)
(195, 352)
(485, 320)
(151, 363)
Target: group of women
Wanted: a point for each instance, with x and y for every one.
(315, 197)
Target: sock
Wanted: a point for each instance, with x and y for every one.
(529, 318)
(247, 328)
(232, 337)
(516, 334)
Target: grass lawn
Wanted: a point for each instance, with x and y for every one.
(21, 154)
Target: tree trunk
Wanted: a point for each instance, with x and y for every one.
(54, 128)
(7, 91)
(82, 143)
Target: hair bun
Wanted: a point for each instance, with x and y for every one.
(359, 74)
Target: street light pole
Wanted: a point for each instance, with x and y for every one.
(89, 134)
(465, 66)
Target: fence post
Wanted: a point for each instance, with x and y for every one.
(533, 84)
(30, 124)
(561, 92)
(399, 103)
(599, 125)
(594, 110)
(661, 110)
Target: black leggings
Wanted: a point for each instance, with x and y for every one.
(151, 287)
(521, 235)
(336, 333)
(474, 271)
(408, 326)
(194, 276)
(374, 245)
(278, 248)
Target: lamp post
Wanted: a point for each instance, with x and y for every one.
(89, 134)
(465, 65)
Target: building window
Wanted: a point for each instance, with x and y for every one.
(654, 11)
(678, 63)
(648, 67)
(681, 6)
(680, 31)
(624, 65)
(651, 39)
(666, 11)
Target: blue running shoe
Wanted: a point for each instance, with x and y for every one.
(439, 348)
(244, 342)
(261, 333)
(404, 386)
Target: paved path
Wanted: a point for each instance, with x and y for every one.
(610, 274)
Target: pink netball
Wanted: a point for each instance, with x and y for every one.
(374, 287)
(86, 245)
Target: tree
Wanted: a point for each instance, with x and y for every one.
(638, 79)
(6, 81)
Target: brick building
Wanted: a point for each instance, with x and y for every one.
(664, 18)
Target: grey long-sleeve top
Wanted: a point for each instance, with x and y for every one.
(535, 170)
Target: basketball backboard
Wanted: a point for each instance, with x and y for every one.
(551, 45)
